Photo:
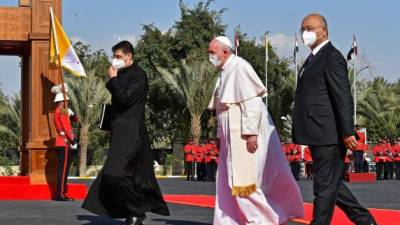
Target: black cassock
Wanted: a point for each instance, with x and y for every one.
(127, 186)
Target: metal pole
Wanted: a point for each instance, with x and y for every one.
(295, 60)
(266, 68)
(355, 88)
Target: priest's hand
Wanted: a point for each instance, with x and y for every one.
(251, 143)
(112, 72)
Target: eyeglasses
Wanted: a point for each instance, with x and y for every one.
(310, 28)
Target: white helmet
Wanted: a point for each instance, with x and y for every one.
(59, 97)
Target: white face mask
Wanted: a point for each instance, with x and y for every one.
(214, 60)
(118, 63)
(309, 38)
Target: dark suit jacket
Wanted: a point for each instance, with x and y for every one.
(323, 108)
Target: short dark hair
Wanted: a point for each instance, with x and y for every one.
(125, 46)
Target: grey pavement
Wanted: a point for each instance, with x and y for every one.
(385, 194)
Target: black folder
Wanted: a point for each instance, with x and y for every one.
(105, 122)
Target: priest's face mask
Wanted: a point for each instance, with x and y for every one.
(217, 54)
(121, 60)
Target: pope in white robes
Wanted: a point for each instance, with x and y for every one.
(254, 183)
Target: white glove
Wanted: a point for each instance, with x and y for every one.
(70, 112)
(75, 146)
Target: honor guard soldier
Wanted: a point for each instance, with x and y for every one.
(396, 156)
(295, 158)
(211, 158)
(381, 158)
(388, 175)
(358, 153)
(199, 159)
(65, 141)
(308, 162)
(189, 150)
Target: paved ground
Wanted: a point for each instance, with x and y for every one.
(385, 194)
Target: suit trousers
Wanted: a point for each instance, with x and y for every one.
(330, 190)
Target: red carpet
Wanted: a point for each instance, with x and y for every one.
(19, 188)
(383, 216)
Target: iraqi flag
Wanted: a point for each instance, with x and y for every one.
(353, 51)
(236, 43)
(61, 51)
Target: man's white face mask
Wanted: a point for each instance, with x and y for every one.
(309, 38)
(214, 60)
(118, 63)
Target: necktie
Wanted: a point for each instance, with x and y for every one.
(308, 60)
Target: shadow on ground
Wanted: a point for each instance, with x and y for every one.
(179, 222)
(97, 220)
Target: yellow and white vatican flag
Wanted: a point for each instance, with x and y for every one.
(61, 51)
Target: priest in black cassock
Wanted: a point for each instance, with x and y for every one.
(126, 187)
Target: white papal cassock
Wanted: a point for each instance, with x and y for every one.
(276, 197)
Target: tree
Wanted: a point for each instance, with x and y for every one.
(194, 85)
(10, 118)
(379, 109)
(186, 40)
(281, 80)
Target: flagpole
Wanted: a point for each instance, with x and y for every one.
(63, 90)
(355, 83)
(266, 68)
(295, 59)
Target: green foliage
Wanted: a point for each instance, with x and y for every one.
(193, 84)
(281, 80)
(10, 125)
(167, 116)
(378, 108)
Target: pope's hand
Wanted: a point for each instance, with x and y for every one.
(112, 72)
(251, 143)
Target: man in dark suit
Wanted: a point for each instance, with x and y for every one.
(323, 120)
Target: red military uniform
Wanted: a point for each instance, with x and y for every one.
(361, 142)
(200, 162)
(63, 126)
(64, 139)
(389, 163)
(198, 153)
(307, 154)
(285, 151)
(214, 152)
(207, 152)
(396, 152)
(211, 160)
(308, 161)
(396, 158)
(381, 152)
(189, 151)
(358, 152)
(294, 152)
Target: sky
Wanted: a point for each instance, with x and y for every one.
(102, 23)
